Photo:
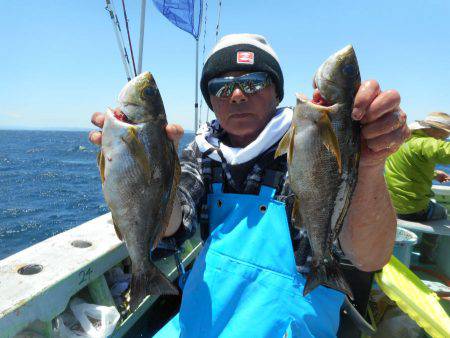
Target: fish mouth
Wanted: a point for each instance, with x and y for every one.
(119, 115)
(319, 100)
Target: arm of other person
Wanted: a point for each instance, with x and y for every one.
(368, 235)
(435, 150)
(441, 176)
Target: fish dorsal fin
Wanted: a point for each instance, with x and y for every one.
(101, 165)
(286, 145)
(329, 138)
(137, 150)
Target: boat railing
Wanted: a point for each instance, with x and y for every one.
(37, 283)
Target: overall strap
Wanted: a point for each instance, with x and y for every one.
(212, 173)
(260, 175)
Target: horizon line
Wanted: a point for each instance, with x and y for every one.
(24, 128)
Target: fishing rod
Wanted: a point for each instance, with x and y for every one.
(128, 33)
(116, 27)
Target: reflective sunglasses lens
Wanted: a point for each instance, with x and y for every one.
(249, 83)
(220, 86)
(225, 90)
(254, 82)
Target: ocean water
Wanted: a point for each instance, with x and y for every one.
(49, 182)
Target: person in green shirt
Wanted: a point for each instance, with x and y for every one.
(409, 173)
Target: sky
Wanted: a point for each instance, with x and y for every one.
(60, 62)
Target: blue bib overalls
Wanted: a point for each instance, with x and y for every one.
(244, 282)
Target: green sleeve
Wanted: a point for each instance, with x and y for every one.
(435, 150)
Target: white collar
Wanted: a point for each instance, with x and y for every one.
(273, 132)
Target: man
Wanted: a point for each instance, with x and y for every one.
(411, 170)
(245, 282)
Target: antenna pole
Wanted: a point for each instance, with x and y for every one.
(141, 36)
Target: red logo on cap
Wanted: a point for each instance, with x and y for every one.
(246, 57)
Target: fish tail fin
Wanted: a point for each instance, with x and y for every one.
(149, 281)
(327, 274)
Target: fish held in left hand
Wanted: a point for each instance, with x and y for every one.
(140, 170)
(323, 150)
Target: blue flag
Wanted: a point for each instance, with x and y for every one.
(185, 14)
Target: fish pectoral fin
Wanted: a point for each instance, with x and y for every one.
(101, 165)
(283, 145)
(329, 138)
(286, 145)
(137, 150)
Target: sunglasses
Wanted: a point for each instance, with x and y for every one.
(250, 83)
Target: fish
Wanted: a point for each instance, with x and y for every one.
(323, 150)
(140, 170)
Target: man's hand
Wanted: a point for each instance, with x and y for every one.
(441, 176)
(383, 123)
(174, 131)
(368, 236)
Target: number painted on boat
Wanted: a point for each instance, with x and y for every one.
(84, 275)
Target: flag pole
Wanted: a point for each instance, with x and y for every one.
(141, 36)
(196, 86)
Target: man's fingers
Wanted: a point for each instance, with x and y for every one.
(384, 103)
(174, 132)
(98, 119)
(384, 125)
(370, 158)
(95, 137)
(391, 141)
(364, 97)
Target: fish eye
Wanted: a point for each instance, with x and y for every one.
(349, 70)
(150, 91)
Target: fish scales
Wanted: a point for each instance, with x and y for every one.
(323, 147)
(140, 171)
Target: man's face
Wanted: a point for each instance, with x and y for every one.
(245, 114)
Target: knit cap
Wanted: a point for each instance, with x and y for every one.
(242, 52)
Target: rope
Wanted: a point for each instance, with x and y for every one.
(128, 33)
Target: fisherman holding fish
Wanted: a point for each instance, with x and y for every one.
(247, 281)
